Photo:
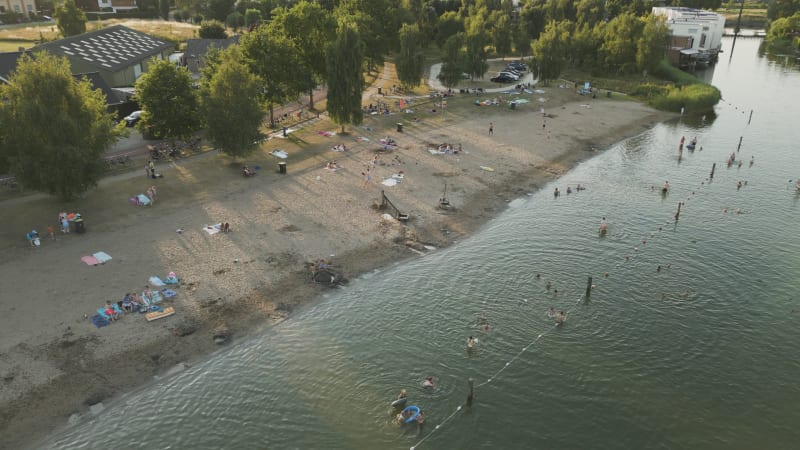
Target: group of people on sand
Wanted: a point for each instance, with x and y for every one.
(339, 148)
(332, 165)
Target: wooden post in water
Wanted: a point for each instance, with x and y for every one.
(714, 166)
(469, 396)
(588, 288)
(678, 212)
(750, 118)
(740, 144)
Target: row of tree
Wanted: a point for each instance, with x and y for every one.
(311, 42)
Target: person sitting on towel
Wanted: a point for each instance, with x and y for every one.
(171, 278)
(247, 172)
(109, 310)
(147, 295)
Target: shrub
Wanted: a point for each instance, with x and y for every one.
(696, 98)
(688, 91)
(212, 29)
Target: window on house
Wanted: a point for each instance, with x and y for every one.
(137, 71)
(16, 9)
(692, 30)
(30, 7)
(2, 9)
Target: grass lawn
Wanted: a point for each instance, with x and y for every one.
(26, 35)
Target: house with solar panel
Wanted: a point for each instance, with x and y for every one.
(119, 54)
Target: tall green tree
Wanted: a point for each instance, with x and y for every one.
(534, 14)
(274, 60)
(219, 9)
(377, 22)
(410, 61)
(550, 50)
(55, 129)
(476, 40)
(450, 23)
(170, 108)
(345, 79)
(252, 17)
(163, 9)
(453, 65)
(653, 43)
(618, 51)
(778, 9)
(231, 106)
(70, 20)
(589, 12)
(500, 29)
(310, 29)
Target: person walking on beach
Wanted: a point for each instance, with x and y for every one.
(491, 128)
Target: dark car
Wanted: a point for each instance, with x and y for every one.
(132, 118)
(503, 78)
(513, 71)
(518, 66)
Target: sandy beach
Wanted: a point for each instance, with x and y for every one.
(54, 363)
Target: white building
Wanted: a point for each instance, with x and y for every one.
(703, 28)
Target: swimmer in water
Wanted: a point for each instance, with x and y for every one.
(548, 285)
(403, 394)
(428, 383)
(471, 342)
(560, 318)
(552, 313)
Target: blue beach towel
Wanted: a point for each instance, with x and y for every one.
(99, 321)
(168, 293)
(156, 281)
(156, 297)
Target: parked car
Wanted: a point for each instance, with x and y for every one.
(132, 118)
(503, 78)
(518, 65)
(513, 71)
(510, 74)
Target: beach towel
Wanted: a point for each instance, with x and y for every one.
(103, 257)
(327, 133)
(487, 168)
(102, 313)
(168, 293)
(156, 297)
(143, 200)
(155, 315)
(212, 229)
(156, 281)
(390, 182)
(279, 154)
(90, 260)
(100, 321)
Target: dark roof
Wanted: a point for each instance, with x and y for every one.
(8, 64)
(98, 82)
(196, 48)
(110, 49)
